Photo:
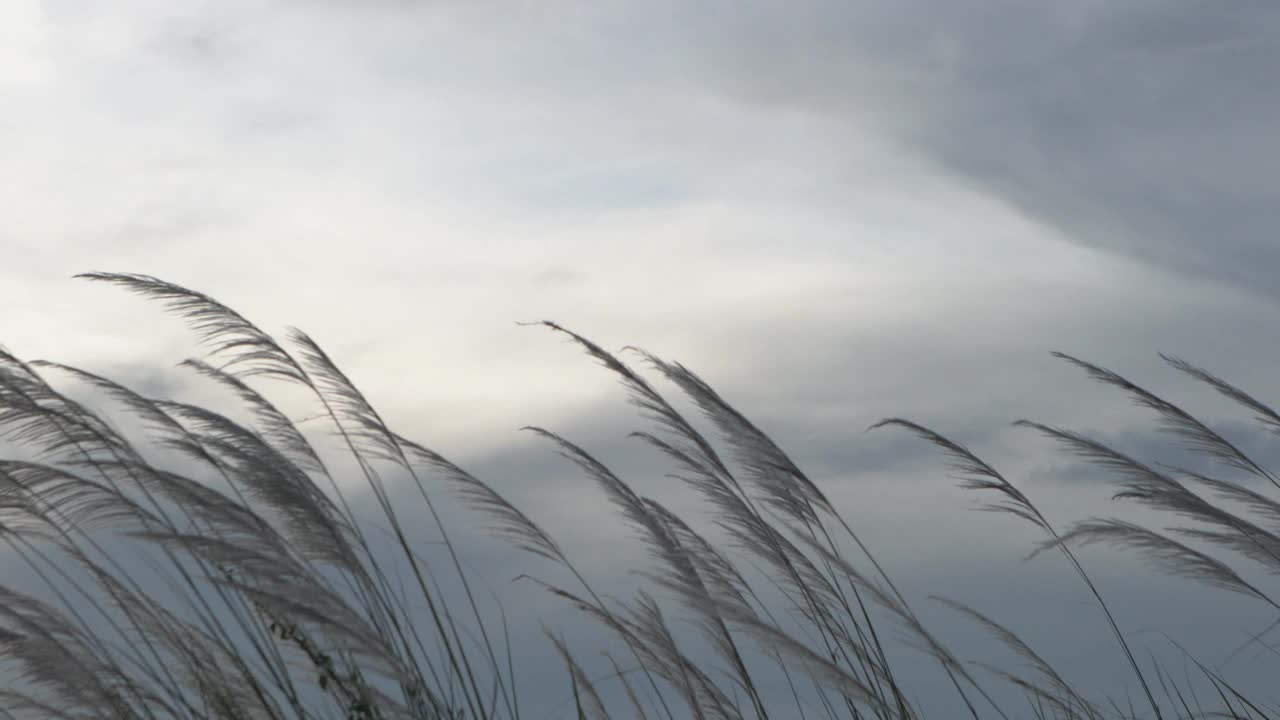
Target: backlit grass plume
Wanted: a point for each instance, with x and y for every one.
(203, 566)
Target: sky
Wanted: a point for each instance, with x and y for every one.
(833, 211)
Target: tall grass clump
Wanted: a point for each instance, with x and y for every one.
(206, 564)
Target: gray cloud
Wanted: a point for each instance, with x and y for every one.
(1144, 129)
(1148, 131)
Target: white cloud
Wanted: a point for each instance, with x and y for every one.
(406, 181)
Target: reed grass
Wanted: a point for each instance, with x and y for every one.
(267, 595)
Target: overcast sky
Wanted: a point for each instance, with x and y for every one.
(833, 211)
